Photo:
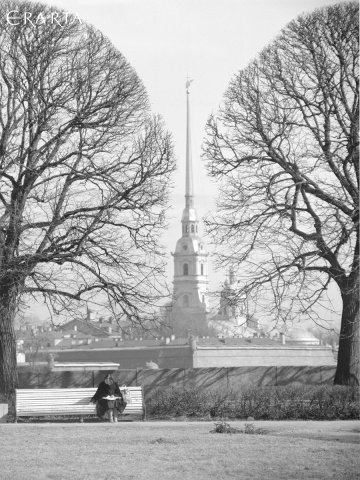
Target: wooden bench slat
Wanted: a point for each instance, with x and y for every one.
(63, 395)
(49, 399)
(78, 409)
(69, 406)
(56, 411)
(70, 395)
(80, 389)
(67, 401)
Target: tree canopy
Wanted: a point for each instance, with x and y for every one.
(284, 147)
(85, 171)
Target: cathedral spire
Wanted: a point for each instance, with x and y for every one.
(189, 217)
(189, 186)
(190, 257)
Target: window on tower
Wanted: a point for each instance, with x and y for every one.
(202, 269)
(185, 269)
(187, 228)
(192, 229)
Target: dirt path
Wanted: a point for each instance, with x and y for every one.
(347, 431)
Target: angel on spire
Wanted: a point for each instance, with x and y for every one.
(188, 82)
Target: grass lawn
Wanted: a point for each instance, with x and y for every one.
(179, 450)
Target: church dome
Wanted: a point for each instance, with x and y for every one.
(151, 365)
(301, 335)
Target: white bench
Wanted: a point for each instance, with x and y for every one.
(69, 401)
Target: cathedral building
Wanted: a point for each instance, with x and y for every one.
(190, 297)
(190, 306)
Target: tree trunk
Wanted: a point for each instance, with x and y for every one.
(8, 363)
(347, 371)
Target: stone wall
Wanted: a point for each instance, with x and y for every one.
(183, 357)
(279, 355)
(169, 357)
(235, 378)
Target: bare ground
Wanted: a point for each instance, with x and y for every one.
(180, 450)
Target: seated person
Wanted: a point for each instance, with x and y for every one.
(105, 407)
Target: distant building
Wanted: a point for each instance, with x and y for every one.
(197, 353)
(190, 295)
(101, 328)
(231, 319)
(300, 336)
(171, 352)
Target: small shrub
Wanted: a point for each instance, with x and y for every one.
(177, 403)
(250, 429)
(224, 427)
(220, 402)
(253, 402)
(334, 402)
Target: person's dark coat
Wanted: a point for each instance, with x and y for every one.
(102, 405)
(106, 390)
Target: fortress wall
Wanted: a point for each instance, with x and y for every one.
(129, 358)
(235, 378)
(298, 356)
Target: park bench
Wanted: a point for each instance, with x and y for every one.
(70, 401)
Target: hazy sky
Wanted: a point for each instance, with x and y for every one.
(208, 40)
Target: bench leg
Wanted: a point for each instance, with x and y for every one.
(81, 418)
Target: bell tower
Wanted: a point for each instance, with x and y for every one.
(190, 256)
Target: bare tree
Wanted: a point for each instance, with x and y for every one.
(85, 173)
(284, 147)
